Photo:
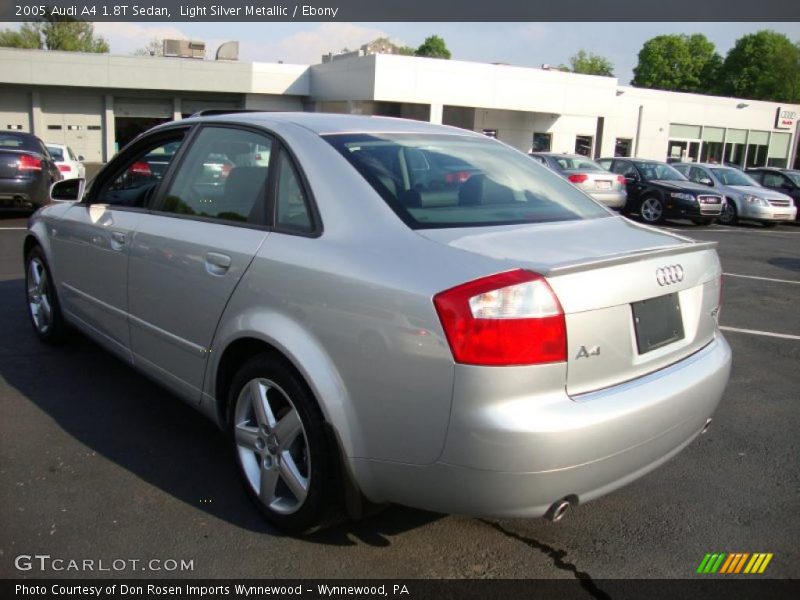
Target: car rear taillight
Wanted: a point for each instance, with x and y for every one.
(140, 168)
(621, 179)
(578, 177)
(510, 318)
(27, 162)
(64, 168)
(457, 177)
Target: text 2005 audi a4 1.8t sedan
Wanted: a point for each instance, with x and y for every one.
(388, 310)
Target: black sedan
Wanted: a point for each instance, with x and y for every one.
(657, 192)
(786, 181)
(26, 171)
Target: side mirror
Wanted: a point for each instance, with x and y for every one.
(81, 158)
(787, 186)
(706, 181)
(631, 179)
(69, 190)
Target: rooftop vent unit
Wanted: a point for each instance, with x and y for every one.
(228, 51)
(185, 48)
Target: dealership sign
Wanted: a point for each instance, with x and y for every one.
(785, 119)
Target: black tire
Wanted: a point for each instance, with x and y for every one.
(769, 224)
(317, 463)
(655, 217)
(51, 330)
(729, 216)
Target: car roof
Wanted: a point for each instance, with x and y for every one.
(702, 164)
(633, 160)
(328, 123)
(561, 155)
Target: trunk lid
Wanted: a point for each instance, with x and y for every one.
(606, 273)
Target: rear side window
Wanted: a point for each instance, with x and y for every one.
(436, 181)
(223, 176)
(56, 153)
(773, 179)
(291, 210)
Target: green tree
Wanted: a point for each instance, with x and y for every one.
(763, 66)
(27, 36)
(590, 64)
(55, 33)
(682, 63)
(433, 47)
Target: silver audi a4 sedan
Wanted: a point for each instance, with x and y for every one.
(387, 311)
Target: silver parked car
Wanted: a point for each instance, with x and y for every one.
(745, 198)
(390, 311)
(585, 174)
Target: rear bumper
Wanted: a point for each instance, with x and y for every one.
(514, 456)
(610, 199)
(21, 192)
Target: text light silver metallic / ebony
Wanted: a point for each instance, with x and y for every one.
(387, 311)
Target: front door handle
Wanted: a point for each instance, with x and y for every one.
(117, 240)
(217, 264)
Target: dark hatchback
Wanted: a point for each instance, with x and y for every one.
(786, 181)
(26, 171)
(656, 191)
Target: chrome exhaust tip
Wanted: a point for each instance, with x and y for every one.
(706, 426)
(557, 511)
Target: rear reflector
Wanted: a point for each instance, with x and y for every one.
(510, 318)
(28, 162)
(578, 177)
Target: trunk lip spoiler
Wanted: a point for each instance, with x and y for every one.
(626, 257)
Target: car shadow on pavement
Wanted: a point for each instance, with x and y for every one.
(122, 416)
(790, 264)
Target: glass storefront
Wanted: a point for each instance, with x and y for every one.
(753, 148)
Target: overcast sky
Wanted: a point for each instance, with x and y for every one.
(522, 44)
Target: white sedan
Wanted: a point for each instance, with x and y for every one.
(67, 161)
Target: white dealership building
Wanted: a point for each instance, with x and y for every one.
(98, 102)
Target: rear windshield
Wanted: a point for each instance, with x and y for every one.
(437, 181)
(575, 163)
(19, 142)
(56, 152)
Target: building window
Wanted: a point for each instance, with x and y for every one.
(542, 142)
(735, 144)
(94, 128)
(622, 147)
(54, 127)
(583, 145)
(778, 149)
(757, 143)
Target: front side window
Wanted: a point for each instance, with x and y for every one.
(223, 176)
(136, 176)
(625, 169)
(773, 180)
(462, 181)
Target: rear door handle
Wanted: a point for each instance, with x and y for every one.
(117, 240)
(217, 264)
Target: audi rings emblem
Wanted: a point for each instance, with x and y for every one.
(669, 275)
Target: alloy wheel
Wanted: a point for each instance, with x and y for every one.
(272, 446)
(651, 210)
(40, 301)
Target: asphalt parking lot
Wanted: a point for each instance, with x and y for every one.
(97, 462)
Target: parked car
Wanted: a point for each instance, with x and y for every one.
(786, 181)
(532, 350)
(587, 176)
(657, 192)
(69, 164)
(744, 197)
(26, 171)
